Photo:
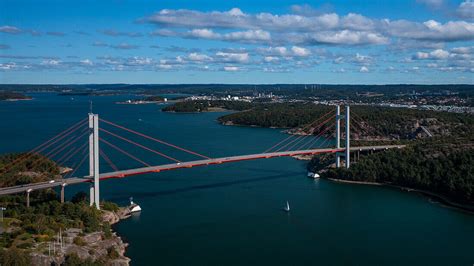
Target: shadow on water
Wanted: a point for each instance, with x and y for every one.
(210, 186)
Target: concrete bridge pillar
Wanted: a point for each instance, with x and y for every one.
(28, 197)
(62, 192)
(91, 194)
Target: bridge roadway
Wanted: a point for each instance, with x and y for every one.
(190, 164)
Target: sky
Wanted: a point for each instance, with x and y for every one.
(203, 41)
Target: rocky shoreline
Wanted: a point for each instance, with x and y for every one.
(108, 249)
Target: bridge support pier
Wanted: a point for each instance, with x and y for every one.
(28, 198)
(62, 192)
(91, 195)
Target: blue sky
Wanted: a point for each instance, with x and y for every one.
(140, 41)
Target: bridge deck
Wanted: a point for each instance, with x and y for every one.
(167, 167)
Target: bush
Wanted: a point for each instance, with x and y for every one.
(14, 257)
(79, 241)
(109, 206)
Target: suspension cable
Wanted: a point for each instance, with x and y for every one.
(154, 139)
(141, 146)
(124, 152)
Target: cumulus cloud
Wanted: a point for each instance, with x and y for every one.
(466, 10)
(432, 30)
(199, 57)
(233, 57)
(437, 54)
(309, 29)
(347, 37)
(363, 69)
(15, 30)
(231, 68)
(7, 66)
(300, 51)
(362, 59)
(275, 51)
(86, 62)
(10, 29)
(248, 36)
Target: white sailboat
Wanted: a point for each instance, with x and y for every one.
(287, 207)
(133, 206)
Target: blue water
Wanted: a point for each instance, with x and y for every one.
(231, 214)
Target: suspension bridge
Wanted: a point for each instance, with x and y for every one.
(66, 148)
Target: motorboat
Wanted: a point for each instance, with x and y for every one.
(134, 207)
(313, 175)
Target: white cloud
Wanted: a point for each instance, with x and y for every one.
(233, 57)
(438, 54)
(432, 30)
(308, 29)
(8, 66)
(236, 12)
(276, 51)
(462, 50)
(345, 37)
(300, 51)
(204, 33)
(249, 36)
(466, 10)
(363, 69)
(271, 59)
(362, 59)
(51, 62)
(10, 29)
(231, 68)
(199, 57)
(86, 62)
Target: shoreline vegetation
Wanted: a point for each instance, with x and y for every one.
(69, 233)
(445, 169)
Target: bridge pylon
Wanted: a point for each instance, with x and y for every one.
(346, 154)
(94, 193)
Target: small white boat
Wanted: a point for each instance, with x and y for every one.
(313, 175)
(287, 207)
(134, 207)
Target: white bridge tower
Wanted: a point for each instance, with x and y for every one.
(94, 159)
(347, 152)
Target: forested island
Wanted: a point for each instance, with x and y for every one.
(34, 235)
(207, 106)
(11, 96)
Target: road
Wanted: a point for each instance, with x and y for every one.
(168, 167)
